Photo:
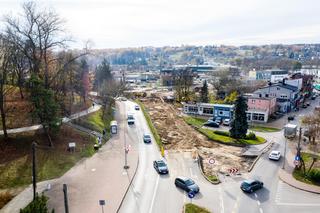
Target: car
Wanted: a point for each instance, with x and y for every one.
(187, 185)
(146, 138)
(251, 185)
(291, 118)
(136, 107)
(226, 121)
(211, 124)
(274, 155)
(308, 103)
(313, 97)
(130, 119)
(160, 166)
(304, 105)
(218, 120)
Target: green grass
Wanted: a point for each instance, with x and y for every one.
(220, 136)
(264, 129)
(192, 208)
(213, 178)
(298, 174)
(15, 168)
(96, 122)
(197, 122)
(150, 124)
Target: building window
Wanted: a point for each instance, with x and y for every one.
(252, 101)
(208, 111)
(267, 95)
(220, 112)
(193, 109)
(278, 88)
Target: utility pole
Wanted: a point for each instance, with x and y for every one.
(285, 145)
(299, 143)
(65, 195)
(34, 174)
(125, 142)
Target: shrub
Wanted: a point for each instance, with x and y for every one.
(314, 175)
(218, 132)
(5, 197)
(38, 205)
(251, 136)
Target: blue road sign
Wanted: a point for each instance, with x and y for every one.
(190, 194)
(297, 158)
(102, 202)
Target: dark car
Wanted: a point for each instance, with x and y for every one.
(313, 97)
(211, 124)
(304, 105)
(218, 120)
(291, 118)
(136, 107)
(187, 185)
(147, 138)
(251, 185)
(160, 166)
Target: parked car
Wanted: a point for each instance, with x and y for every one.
(211, 124)
(274, 155)
(187, 185)
(251, 185)
(227, 121)
(291, 118)
(218, 120)
(160, 166)
(313, 97)
(146, 138)
(136, 107)
(308, 103)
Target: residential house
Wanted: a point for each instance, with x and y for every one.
(307, 84)
(260, 108)
(287, 96)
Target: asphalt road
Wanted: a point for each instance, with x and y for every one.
(151, 192)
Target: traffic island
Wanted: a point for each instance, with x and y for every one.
(192, 208)
(211, 177)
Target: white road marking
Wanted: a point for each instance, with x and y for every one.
(235, 207)
(260, 210)
(298, 204)
(255, 194)
(258, 202)
(154, 194)
(221, 200)
(93, 170)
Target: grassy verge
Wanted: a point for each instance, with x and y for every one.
(197, 122)
(264, 129)
(192, 208)
(5, 197)
(15, 164)
(150, 124)
(96, 121)
(313, 177)
(213, 178)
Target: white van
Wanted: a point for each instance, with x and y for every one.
(114, 127)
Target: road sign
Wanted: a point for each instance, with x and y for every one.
(191, 194)
(296, 162)
(102, 202)
(297, 158)
(211, 161)
(233, 170)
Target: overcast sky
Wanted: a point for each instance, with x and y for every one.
(135, 23)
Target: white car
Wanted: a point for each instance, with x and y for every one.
(226, 121)
(274, 155)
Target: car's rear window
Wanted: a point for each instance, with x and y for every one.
(189, 182)
(161, 164)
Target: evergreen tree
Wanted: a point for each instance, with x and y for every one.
(204, 93)
(239, 124)
(45, 107)
(103, 73)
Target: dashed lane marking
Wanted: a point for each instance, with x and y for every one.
(221, 200)
(260, 210)
(154, 194)
(258, 202)
(255, 194)
(298, 204)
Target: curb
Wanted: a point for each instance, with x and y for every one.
(125, 194)
(200, 167)
(264, 150)
(295, 186)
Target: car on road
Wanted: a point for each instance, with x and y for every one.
(251, 185)
(304, 105)
(308, 103)
(291, 118)
(130, 119)
(211, 124)
(187, 185)
(146, 138)
(136, 107)
(274, 155)
(313, 97)
(226, 121)
(160, 166)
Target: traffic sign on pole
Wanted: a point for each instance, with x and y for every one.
(211, 161)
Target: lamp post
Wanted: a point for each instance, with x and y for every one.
(34, 173)
(125, 143)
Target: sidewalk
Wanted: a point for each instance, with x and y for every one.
(94, 108)
(286, 176)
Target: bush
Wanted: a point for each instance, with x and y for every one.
(39, 205)
(314, 175)
(251, 136)
(5, 198)
(218, 132)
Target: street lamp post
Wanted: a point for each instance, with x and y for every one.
(34, 174)
(125, 143)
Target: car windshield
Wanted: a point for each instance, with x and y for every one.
(147, 136)
(189, 182)
(161, 164)
(245, 184)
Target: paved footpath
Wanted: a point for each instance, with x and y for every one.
(100, 177)
(94, 108)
